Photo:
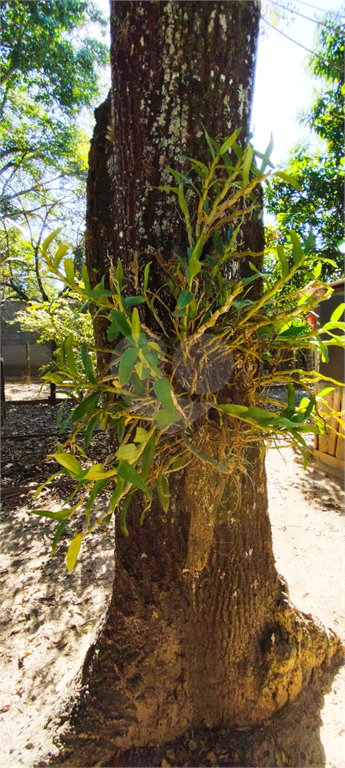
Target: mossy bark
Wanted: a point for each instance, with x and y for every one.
(199, 630)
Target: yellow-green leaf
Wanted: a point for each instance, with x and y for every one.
(97, 472)
(68, 461)
(182, 201)
(69, 270)
(136, 328)
(336, 315)
(46, 243)
(141, 435)
(60, 253)
(128, 452)
(73, 552)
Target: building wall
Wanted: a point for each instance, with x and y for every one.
(14, 346)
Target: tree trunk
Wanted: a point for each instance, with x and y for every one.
(199, 630)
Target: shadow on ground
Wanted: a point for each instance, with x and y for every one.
(325, 485)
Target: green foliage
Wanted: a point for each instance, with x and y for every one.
(51, 320)
(50, 72)
(318, 206)
(153, 394)
(44, 51)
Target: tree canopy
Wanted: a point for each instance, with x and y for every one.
(318, 205)
(50, 72)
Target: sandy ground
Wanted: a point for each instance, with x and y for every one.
(50, 617)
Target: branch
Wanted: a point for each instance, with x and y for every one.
(10, 284)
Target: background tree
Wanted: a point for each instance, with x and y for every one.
(199, 629)
(50, 74)
(318, 204)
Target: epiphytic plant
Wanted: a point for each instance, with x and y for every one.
(211, 350)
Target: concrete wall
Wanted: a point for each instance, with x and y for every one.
(14, 346)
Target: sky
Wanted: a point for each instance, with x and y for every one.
(282, 86)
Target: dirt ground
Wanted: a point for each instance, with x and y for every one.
(50, 617)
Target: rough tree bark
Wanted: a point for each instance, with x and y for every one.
(199, 629)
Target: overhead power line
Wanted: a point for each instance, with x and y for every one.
(323, 10)
(312, 53)
(297, 13)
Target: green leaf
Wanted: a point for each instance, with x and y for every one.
(116, 494)
(317, 270)
(283, 260)
(218, 245)
(123, 515)
(147, 457)
(163, 492)
(97, 472)
(201, 168)
(73, 552)
(232, 409)
(121, 428)
(209, 142)
(163, 418)
(258, 413)
(184, 299)
(87, 363)
(69, 270)
(146, 275)
(336, 315)
(136, 328)
(288, 178)
(291, 395)
(86, 407)
(68, 461)
(96, 490)
(178, 176)
(227, 144)
(60, 253)
(194, 267)
(85, 276)
(58, 533)
(128, 473)
(126, 366)
(297, 251)
(119, 273)
(62, 515)
(129, 451)
(119, 324)
(162, 390)
(247, 163)
(46, 243)
(132, 301)
(182, 201)
(141, 435)
(168, 189)
(99, 292)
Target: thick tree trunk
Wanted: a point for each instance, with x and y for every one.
(199, 629)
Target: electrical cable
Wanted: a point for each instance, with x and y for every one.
(316, 21)
(323, 10)
(316, 55)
